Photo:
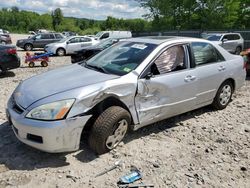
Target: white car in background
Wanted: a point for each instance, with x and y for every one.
(232, 42)
(70, 45)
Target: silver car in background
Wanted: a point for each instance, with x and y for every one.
(232, 42)
(129, 85)
(69, 45)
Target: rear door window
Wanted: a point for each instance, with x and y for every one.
(58, 36)
(84, 39)
(45, 36)
(205, 53)
(51, 36)
(74, 40)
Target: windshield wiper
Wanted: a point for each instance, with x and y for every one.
(100, 69)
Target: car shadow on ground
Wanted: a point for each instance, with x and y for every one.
(36, 66)
(7, 74)
(248, 78)
(166, 124)
(88, 155)
(18, 156)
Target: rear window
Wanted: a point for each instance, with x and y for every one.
(213, 37)
(231, 37)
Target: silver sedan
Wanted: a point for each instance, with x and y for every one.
(70, 45)
(130, 85)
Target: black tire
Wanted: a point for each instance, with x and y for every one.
(44, 63)
(223, 95)
(28, 47)
(60, 52)
(31, 64)
(113, 123)
(238, 50)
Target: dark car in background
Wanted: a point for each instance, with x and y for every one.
(39, 40)
(8, 58)
(90, 51)
(5, 39)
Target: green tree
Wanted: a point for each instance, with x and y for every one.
(57, 17)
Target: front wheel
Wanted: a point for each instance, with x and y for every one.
(223, 95)
(28, 47)
(60, 52)
(109, 129)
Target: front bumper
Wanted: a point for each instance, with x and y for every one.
(20, 44)
(49, 136)
(50, 49)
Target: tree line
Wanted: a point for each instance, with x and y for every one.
(162, 15)
(21, 21)
(198, 14)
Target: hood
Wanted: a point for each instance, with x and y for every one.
(57, 81)
(89, 48)
(54, 43)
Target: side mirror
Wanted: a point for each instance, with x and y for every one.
(67, 42)
(224, 40)
(149, 75)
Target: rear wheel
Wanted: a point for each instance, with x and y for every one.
(238, 50)
(60, 52)
(31, 64)
(223, 95)
(3, 42)
(44, 63)
(109, 129)
(28, 47)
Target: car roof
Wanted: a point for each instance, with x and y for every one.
(222, 33)
(162, 39)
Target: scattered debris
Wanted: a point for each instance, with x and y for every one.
(131, 177)
(117, 164)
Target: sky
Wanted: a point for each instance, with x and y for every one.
(92, 9)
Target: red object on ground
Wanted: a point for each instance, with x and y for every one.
(42, 58)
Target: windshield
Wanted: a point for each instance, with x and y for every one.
(213, 37)
(64, 39)
(121, 58)
(99, 34)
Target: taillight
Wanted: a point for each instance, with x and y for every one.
(11, 51)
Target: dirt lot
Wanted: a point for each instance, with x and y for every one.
(203, 148)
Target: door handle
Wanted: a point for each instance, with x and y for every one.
(189, 78)
(221, 68)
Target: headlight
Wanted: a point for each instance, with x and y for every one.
(52, 111)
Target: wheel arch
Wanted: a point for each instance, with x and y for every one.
(232, 82)
(28, 43)
(62, 49)
(102, 106)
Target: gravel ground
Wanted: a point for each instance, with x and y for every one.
(202, 148)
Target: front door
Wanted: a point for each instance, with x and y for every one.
(73, 45)
(167, 88)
